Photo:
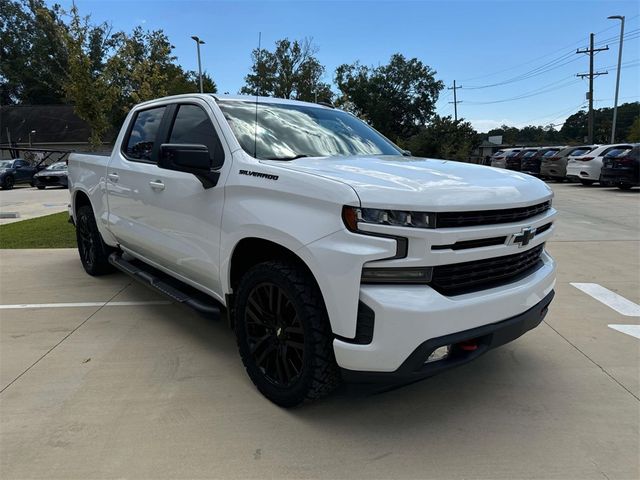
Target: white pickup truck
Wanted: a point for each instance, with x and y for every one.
(334, 255)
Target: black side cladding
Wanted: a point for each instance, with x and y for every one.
(364, 326)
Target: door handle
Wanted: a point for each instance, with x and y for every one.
(113, 177)
(156, 184)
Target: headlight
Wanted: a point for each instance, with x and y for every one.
(398, 218)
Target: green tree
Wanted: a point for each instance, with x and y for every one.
(90, 92)
(33, 55)
(444, 138)
(181, 81)
(633, 134)
(290, 71)
(397, 98)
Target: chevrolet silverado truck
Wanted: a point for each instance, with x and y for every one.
(333, 254)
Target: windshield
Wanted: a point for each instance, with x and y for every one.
(58, 166)
(530, 153)
(6, 163)
(551, 153)
(513, 153)
(288, 131)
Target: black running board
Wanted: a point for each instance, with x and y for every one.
(168, 286)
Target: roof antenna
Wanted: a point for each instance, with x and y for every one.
(255, 125)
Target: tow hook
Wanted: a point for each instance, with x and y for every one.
(468, 345)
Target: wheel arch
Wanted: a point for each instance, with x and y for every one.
(251, 251)
(80, 199)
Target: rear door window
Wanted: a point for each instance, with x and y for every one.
(143, 133)
(192, 125)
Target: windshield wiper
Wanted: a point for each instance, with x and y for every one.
(285, 158)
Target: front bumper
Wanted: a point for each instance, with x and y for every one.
(484, 338)
(407, 316)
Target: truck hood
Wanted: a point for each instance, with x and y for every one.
(419, 183)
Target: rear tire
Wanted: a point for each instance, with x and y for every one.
(586, 183)
(8, 182)
(283, 334)
(40, 187)
(94, 253)
(625, 186)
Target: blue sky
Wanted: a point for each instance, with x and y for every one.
(477, 43)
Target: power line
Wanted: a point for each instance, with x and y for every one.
(528, 62)
(561, 61)
(538, 91)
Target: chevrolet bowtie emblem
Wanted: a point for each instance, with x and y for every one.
(524, 237)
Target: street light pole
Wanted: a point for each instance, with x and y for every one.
(32, 132)
(615, 101)
(198, 43)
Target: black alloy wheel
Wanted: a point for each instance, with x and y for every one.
(94, 253)
(275, 334)
(283, 333)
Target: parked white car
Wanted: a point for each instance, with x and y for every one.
(333, 255)
(499, 159)
(587, 168)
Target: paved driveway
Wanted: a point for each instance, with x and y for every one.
(29, 202)
(120, 384)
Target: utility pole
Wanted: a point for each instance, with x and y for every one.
(591, 75)
(615, 102)
(455, 100)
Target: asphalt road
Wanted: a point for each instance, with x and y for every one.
(110, 390)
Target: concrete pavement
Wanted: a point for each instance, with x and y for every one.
(157, 391)
(29, 202)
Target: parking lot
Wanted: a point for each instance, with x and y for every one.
(25, 202)
(102, 378)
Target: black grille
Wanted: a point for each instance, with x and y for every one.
(489, 217)
(467, 277)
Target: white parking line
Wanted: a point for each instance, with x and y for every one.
(83, 304)
(610, 299)
(633, 330)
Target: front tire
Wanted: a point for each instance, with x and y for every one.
(40, 187)
(625, 186)
(8, 182)
(94, 253)
(283, 334)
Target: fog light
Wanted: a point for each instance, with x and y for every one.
(397, 275)
(439, 353)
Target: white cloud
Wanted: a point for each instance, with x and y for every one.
(484, 125)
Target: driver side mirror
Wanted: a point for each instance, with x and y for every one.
(188, 158)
